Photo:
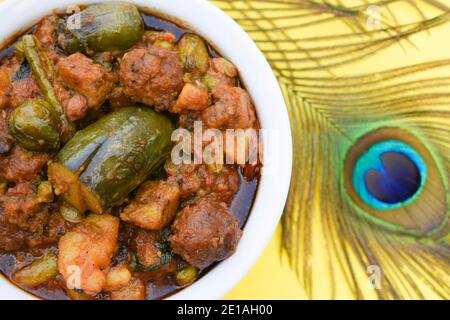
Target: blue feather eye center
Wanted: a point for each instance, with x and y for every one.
(389, 175)
(397, 182)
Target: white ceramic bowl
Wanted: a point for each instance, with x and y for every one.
(233, 43)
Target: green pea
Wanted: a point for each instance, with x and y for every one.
(186, 275)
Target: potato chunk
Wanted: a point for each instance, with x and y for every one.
(192, 98)
(85, 253)
(154, 206)
(135, 290)
(117, 278)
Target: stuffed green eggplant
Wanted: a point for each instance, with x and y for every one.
(110, 26)
(193, 54)
(34, 127)
(110, 158)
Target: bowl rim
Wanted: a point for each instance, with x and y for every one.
(203, 18)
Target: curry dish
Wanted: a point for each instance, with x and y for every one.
(92, 205)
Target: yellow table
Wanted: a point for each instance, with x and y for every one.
(271, 277)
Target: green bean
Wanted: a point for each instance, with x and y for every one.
(30, 48)
(18, 51)
(39, 272)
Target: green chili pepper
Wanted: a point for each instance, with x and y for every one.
(18, 51)
(31, 51)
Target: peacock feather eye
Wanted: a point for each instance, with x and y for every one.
(394, 181)
(390, 174)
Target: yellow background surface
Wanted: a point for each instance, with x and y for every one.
(271, 277)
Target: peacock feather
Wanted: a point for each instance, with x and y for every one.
(370, 187)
